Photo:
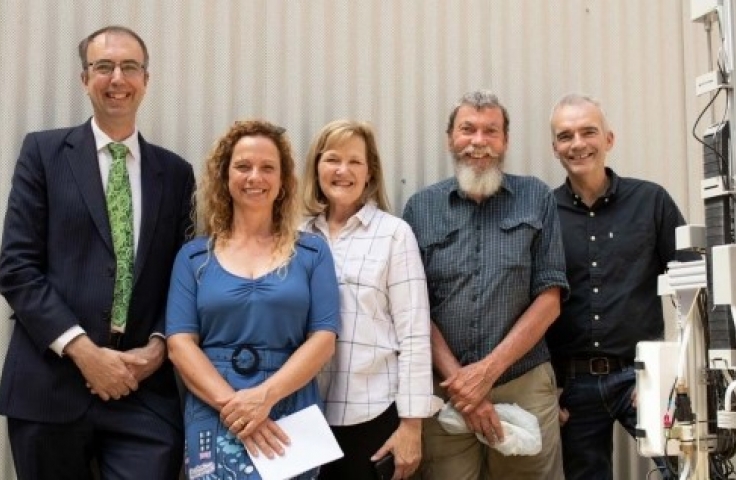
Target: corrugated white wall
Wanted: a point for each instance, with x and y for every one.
(400, 64)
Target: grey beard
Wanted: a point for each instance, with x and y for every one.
(483, 184)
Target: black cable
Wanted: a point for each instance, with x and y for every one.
(702, 303)
(720, 467)
(725, 113)
(650, 472)
(716, 470)
(670, 468)
(695, 126)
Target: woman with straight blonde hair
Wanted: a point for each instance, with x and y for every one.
(378, 387)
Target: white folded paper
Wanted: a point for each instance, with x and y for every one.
(312, 444)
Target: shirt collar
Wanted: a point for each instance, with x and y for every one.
(611, 191)
(364, 216)
(102, 140)
(367, 212)
(455, 188)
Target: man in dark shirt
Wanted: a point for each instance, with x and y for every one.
(619, 235)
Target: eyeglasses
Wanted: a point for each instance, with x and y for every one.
(129, 68)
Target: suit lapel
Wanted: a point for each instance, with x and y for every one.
(81, 155)
(151, 194)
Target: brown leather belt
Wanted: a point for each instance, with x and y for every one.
(593, 365)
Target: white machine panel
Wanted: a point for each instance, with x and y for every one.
(653, 384)
(724, 270)
(700, 8)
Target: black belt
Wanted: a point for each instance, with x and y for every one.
(116, 340)
(593, 365)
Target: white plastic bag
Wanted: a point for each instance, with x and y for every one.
(521, 435)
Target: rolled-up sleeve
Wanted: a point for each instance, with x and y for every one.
(548, 264)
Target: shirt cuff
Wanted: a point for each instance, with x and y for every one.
(418, 406)
(65, 338)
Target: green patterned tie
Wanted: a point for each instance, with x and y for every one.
(120, 213)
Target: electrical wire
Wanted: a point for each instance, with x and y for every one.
(672, 469)
(720, 466)
(700, 140)
(650, 472)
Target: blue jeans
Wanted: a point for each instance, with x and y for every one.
(595, 402)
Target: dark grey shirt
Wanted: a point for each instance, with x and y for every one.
(485, 263)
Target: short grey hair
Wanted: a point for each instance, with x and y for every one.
(479, 99)
(576, 99)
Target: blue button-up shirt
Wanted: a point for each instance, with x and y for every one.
(486, 262)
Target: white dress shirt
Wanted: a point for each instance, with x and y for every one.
(383, 351)
(133, 162)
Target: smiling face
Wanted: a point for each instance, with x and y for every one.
(478, 143)
(115, 97)
(477, 138)
(581, 140)
(254, 174)
(343, 173)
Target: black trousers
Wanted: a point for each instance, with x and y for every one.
(359, 443)
(125, 440)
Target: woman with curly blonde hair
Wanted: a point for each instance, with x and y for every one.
(253, 306)
(214, 200)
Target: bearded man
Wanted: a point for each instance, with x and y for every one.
(495, 265)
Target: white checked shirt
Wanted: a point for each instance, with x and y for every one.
(383, 350)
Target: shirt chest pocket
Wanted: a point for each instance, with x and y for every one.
(364, 270)
(519, 237)
(440, 255)
(633, 242)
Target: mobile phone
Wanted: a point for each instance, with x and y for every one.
(384, 468)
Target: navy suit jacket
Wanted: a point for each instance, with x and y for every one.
(57, 270)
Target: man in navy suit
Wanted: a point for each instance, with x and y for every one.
(73, 390)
